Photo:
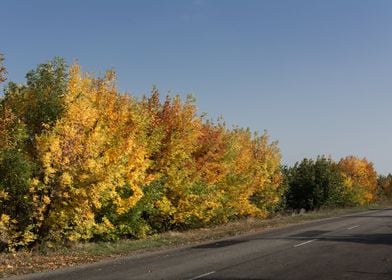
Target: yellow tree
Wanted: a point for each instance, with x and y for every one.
(204, 201)
(93, 157)
(267, 175)
(173, 161)
(360, 179)
(253, 183)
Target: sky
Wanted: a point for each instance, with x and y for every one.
(317, 75)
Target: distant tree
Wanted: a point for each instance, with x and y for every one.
(312, 184)
(360, 179)
(384, 184)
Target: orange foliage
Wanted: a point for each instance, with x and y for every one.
(110, 165)
(360, 178)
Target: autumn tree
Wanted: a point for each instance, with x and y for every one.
(252, 185)
(211, 168)
(384, 184)
(360, 179)
(267, 175)
(178, 128)
(93, 159)
(81, 161)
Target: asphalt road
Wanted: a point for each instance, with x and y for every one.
(356, 247)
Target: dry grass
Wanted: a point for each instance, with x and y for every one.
(34, 261)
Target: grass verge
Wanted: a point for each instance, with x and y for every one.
(24, 262)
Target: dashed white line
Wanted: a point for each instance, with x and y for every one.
(353, 227)
(303, 243)
(202, 275)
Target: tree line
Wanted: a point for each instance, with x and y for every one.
(81, 161)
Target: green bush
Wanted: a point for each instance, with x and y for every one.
(312, 184)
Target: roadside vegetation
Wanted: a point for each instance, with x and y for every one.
(45, 259)
(82, 163)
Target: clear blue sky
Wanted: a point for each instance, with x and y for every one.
(316, 74)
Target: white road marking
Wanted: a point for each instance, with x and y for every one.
(352, 227)
(203, 275)
(303, 243)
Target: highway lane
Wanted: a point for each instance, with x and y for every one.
(357, 246)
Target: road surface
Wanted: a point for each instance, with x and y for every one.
(357, 246)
